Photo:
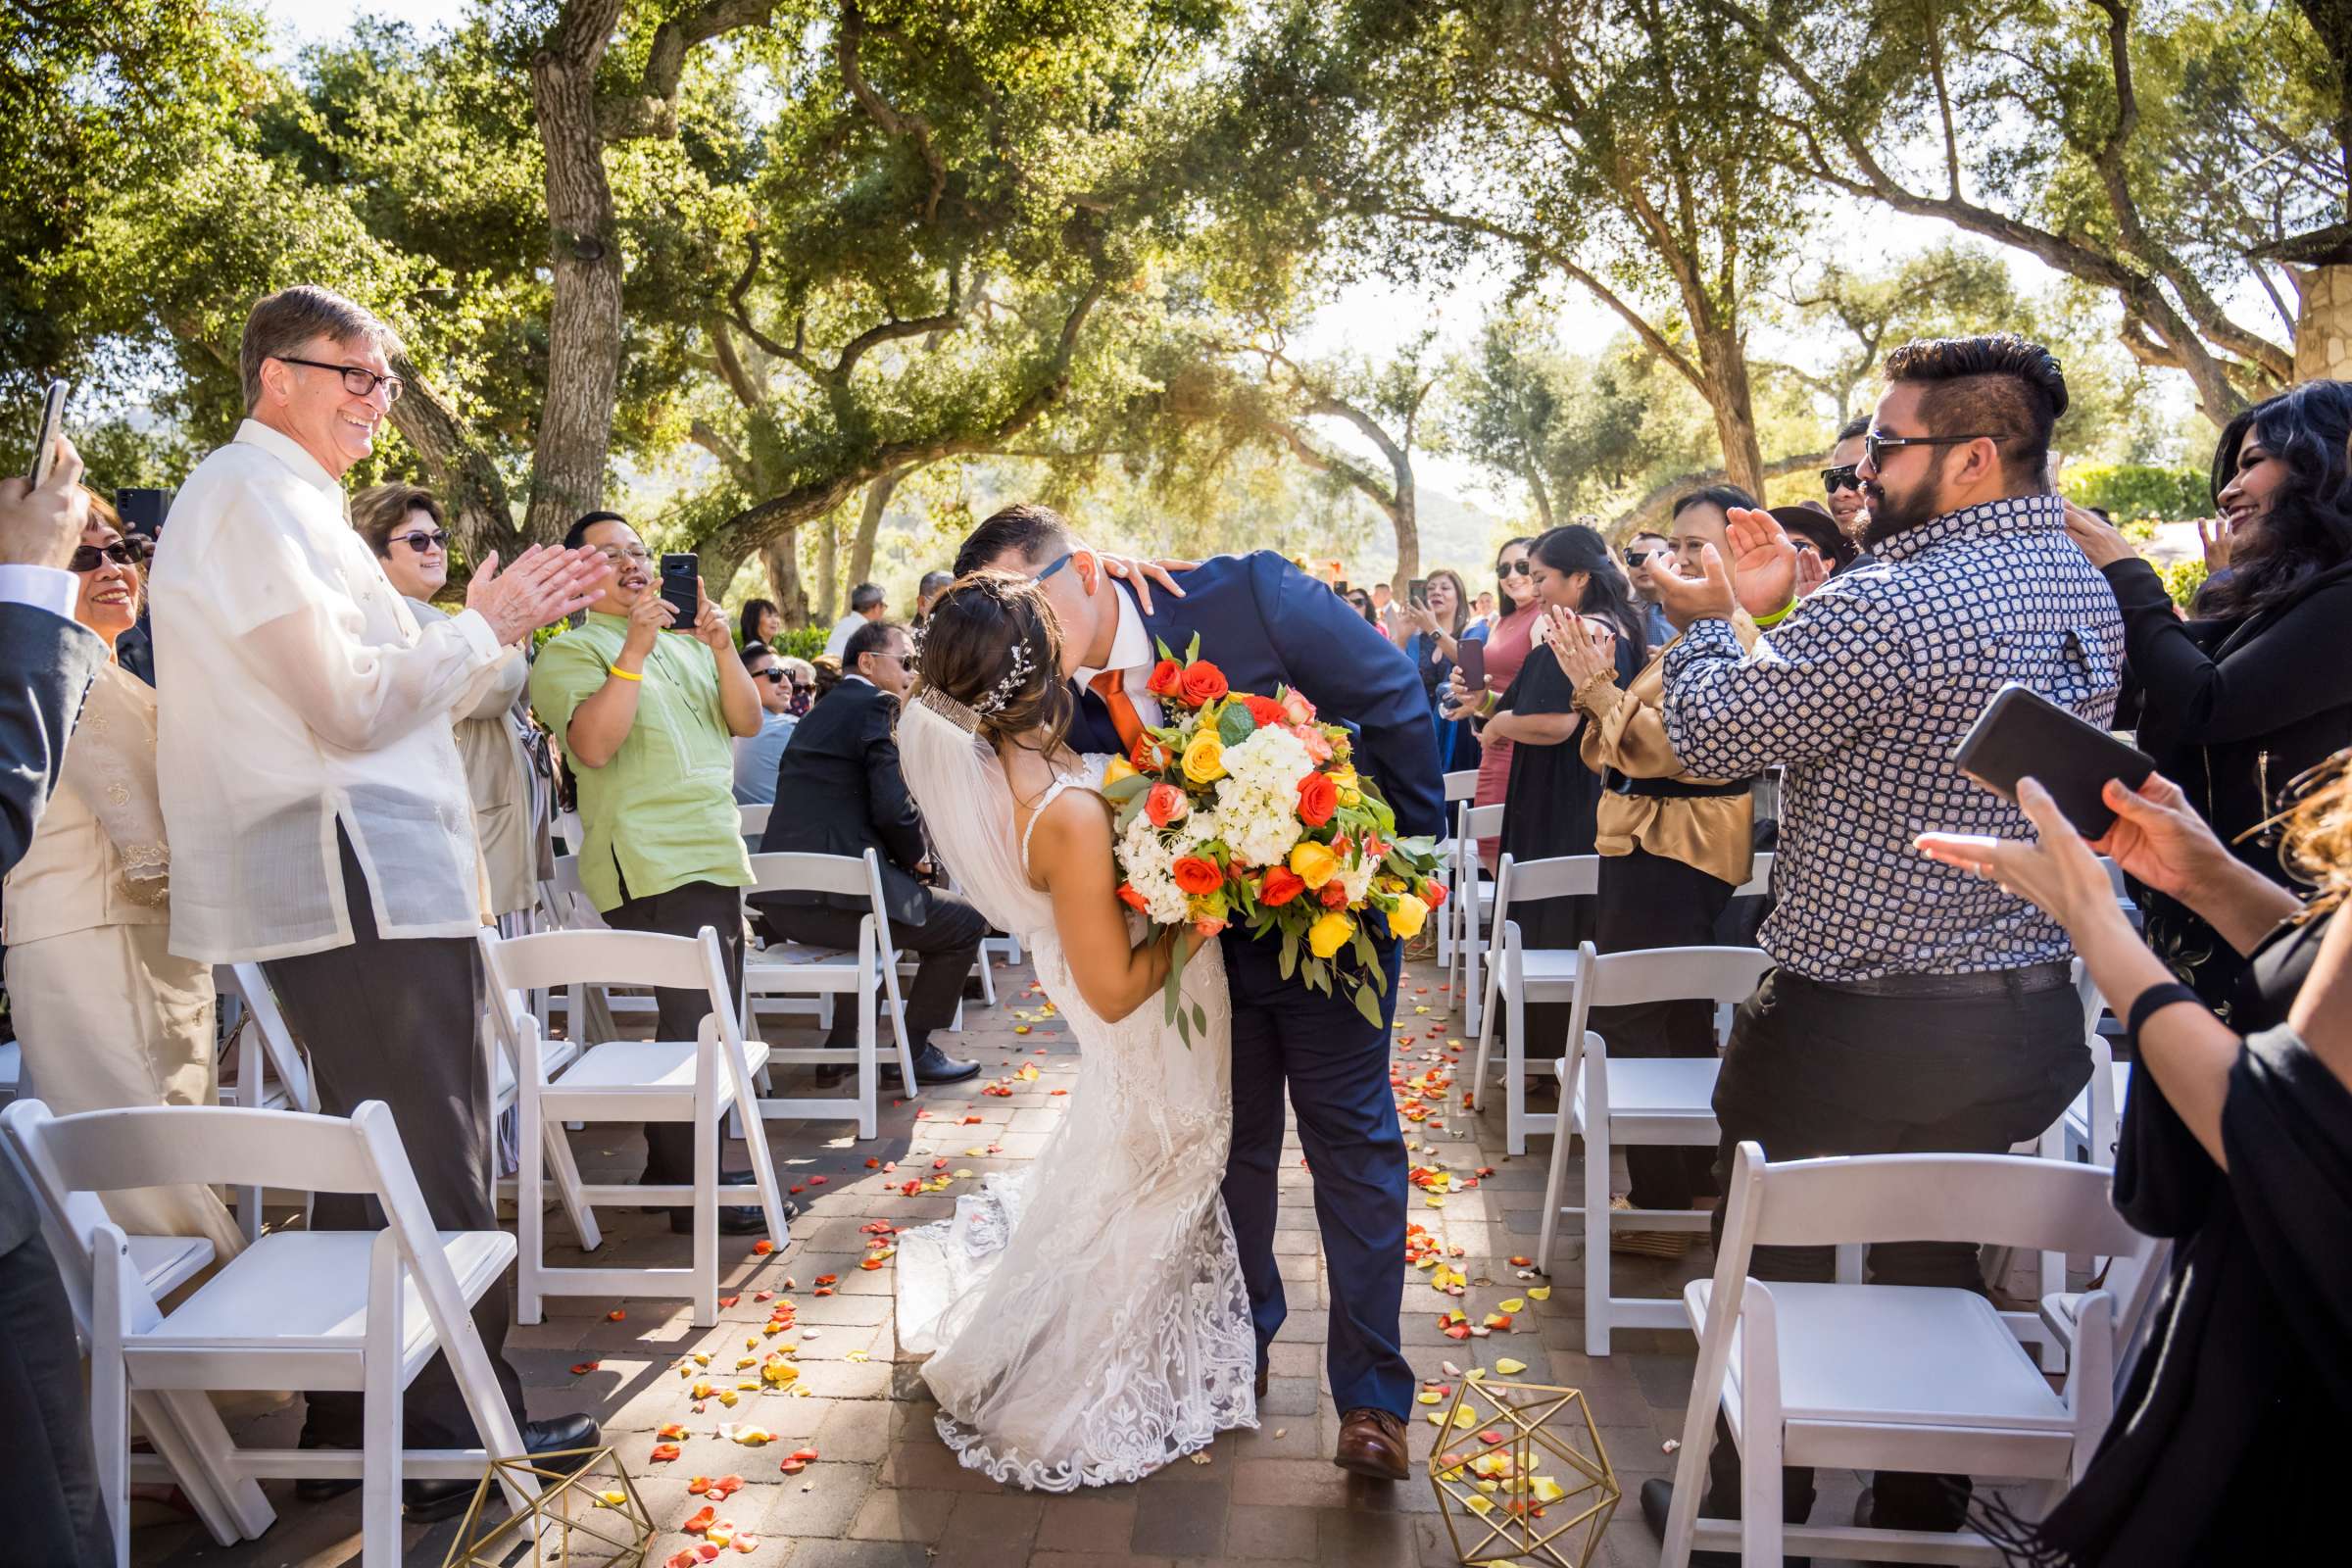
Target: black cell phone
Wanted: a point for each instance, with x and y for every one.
(1416, 591)
(143, 510)
(1470, 658)
(44, 444)
(680, 590)
(2021, 733)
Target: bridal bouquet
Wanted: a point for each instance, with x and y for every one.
(1244, 810)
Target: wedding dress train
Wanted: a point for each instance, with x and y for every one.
(1085, 1317)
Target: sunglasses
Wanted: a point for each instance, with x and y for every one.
(1515, 568)
(421, 543)
(1833, 480)
(1641, 558)
(777, 676)
(1875, 446)
(123, 553)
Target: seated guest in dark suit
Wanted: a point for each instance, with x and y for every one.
(838, 792)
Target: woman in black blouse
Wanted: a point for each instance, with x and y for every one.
(2258, 690)
(2230, 1441)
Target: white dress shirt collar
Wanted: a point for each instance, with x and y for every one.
(1131, 642)
(293, 454)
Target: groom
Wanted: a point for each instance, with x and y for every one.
(1265, 625)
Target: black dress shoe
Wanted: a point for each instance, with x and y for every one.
(1657, 1501)
(933, 1065)
(428, 1500)
(1261, 1382)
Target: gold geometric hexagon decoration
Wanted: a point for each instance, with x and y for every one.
(591, 1515)
(1528, 1478)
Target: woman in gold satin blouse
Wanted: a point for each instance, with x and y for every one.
(106, 1017)
(1672, 847)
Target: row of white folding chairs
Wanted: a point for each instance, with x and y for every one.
(1518, 975)
(1834, 1374)
(1460, 787)
(356, 1310)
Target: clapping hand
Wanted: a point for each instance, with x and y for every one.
(2213, 538)
(1811, 572)
(1586, 649)
(543, 586)
(1687, 601)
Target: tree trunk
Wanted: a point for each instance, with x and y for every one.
(471, 491)
(782, 558)
(1406, 515)
(870, 523)
(583, 328)
(828, 569)
(1543, 494)
(1724, 358)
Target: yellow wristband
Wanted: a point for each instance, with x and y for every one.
(1777, 615)
(616, 669)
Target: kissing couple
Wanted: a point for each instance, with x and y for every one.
(1113, 1306)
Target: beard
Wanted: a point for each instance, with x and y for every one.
(1892, 513)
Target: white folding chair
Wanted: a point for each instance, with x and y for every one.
(1517, 974)
(1612, 1101)
(1759, 877)
(754, 824)
(1475, 897)
(1461, 787)
(863, 979)
(694, 1081)
(565, 906)
(511, 1013)
(163, 1263)
(2134, 1279)
(1889, 1377)
(271, 1074)
(363, 1311)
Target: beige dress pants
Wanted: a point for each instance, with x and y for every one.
(106, 1018)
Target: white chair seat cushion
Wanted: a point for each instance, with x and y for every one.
(649, 1064)
(308, 1290)
(166, 1262)
(1898, 1356)
(1657, 1085)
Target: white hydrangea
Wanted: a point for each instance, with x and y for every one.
(1146, 860)
(1258, 800)
(1357, 879)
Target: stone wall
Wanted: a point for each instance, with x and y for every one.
(2324, 331)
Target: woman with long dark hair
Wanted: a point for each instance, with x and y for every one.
(1552, 798)
(1507, 644)
(1442, 623)
(2257, 690)
(762, 622)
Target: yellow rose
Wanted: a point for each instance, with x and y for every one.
(1329, 934)
(1117, 769)
(1314, 862)
(1350, 790)
(1204, 758)
(1406, 918)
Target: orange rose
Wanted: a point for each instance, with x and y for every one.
(1317, 744)
(1302, 710)
(1166, 675)
(1147, 755)
(1132, 899)
(1318, 797)
(1265, 709)
(1196, 875)
(1334, 894)
(1280, 886)
(1209, 925)
(1433, 894)
(1201, 682)
(1166, 803)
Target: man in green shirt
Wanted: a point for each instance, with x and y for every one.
(647, 712)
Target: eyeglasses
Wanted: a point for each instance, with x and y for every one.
(1833, 480)
(438, 539)
(1055, 566)
(1875, 446)
(123, 553)
(619, 556)
(1515, 568)
(357, 380)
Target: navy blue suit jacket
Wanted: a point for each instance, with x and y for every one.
(1265, 623)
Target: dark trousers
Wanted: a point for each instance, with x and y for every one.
(1336, 1066)
(945, 945)
(1647, 901)
(397, 1020)
(1813, 1070)
(55, 1512)
(682, 911)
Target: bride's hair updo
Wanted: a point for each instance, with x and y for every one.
(992, 647)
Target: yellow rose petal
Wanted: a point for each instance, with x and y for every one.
(1539, 1293)
(1508, 1367)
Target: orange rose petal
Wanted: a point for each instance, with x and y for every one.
(583, 1368)
(670, 1429)
(746, 1542)
(762, 1246)
(793, 1467)
(702, 1520)
(663, 1453)
(616, 1315)
(729, 1301)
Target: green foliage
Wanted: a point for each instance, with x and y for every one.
(803, 642)
(2134, 492)
(2184, 578)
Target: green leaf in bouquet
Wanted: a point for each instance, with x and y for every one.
(1318, 975)
(1200, 1019)
(1161, 643)
(1192, 649)
(1369, 1006)
(1172, 994)
(1290, 954)
(1128, 814)
(1235, 725)
(1128, 787)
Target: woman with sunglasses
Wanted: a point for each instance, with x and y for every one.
(1507, 647)
(106, 1017)
(496, 739)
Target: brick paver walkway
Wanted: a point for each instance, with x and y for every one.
(883, 1492)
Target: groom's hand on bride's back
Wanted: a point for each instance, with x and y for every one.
(1140, 575)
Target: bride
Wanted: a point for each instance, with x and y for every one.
(1085, 1317)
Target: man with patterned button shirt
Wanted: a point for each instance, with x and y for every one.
(1913, 1008)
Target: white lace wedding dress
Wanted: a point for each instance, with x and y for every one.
(1085, 1317)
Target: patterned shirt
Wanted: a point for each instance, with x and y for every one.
(1862, 695)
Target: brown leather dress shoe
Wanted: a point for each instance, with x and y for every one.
(1261, 1382)
(1372, 1443)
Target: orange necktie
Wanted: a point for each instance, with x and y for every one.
(1111, 687)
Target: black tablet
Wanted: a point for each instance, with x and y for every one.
(2022, 734)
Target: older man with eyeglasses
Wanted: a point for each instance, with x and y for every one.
(318, 815)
